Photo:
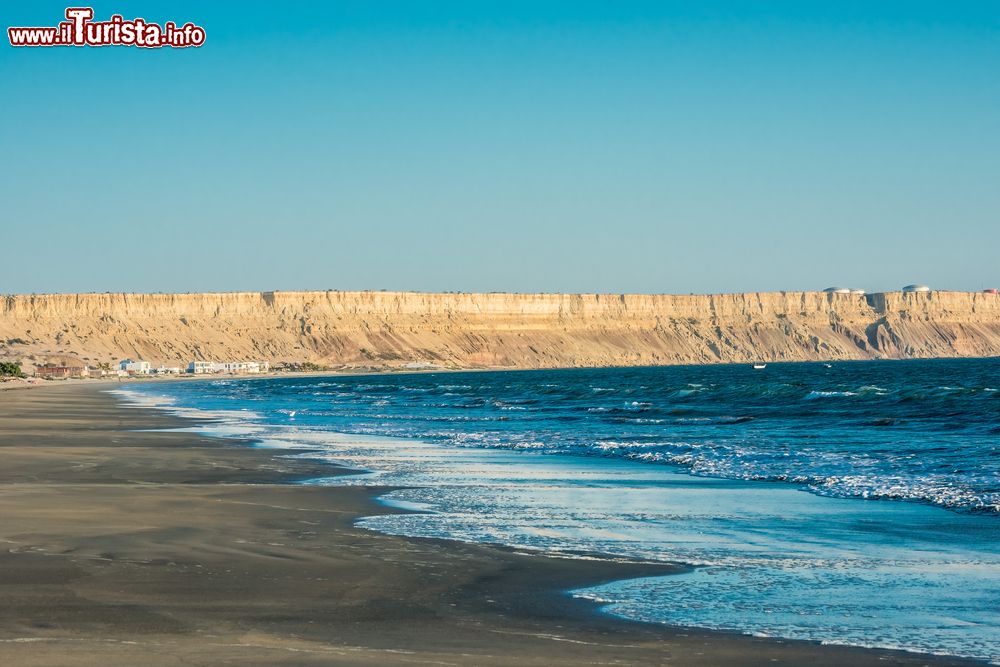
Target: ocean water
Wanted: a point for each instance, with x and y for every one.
(857, 503)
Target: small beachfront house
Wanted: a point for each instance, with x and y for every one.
(199, 367)
(60, 372)
(134, 367)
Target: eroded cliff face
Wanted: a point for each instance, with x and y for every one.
(391, 329)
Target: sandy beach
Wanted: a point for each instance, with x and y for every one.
(124, 545)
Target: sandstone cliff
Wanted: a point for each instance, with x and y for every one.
(391, 329)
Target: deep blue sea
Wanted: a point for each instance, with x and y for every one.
(855, 502)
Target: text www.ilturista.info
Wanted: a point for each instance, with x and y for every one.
(80, 30)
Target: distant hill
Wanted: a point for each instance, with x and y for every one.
(399, 329)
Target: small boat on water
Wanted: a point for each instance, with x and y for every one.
(828, 365)
(759, 365)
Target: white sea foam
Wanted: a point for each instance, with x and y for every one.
(770, 554)
(812, 395)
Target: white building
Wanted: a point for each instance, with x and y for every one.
(201, 367)
(134, 367)
(240, 367)
(97, 372)
(168, 370)
(837, 290)
(916, 288)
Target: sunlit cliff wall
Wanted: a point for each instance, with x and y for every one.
(365, 329)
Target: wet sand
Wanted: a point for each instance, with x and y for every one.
(120, 546)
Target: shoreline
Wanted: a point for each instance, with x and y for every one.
(160, 546)
(32, 382)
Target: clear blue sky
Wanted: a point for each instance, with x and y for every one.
(524, 146)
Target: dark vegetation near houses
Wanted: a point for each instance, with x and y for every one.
(10, 369)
